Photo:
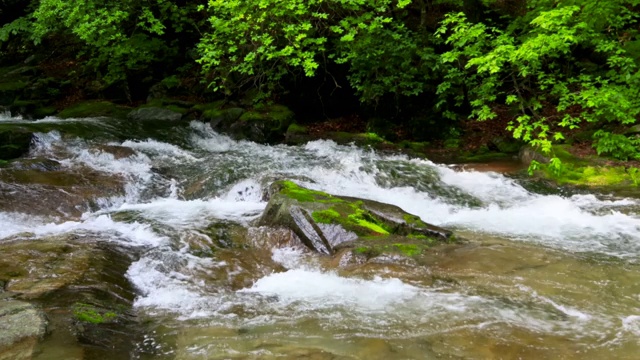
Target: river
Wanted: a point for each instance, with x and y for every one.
(546, 273)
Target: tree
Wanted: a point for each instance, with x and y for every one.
(561, 64)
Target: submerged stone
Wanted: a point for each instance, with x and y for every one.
(21, 325)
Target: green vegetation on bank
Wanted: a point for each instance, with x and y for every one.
(551, 71)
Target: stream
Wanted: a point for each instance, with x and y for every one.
(546, 273)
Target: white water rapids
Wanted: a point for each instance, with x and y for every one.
(179, 188)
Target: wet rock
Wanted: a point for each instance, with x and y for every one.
(22, 324)
(53, 192)
(326, 223)
(154, 114)
(81, 283)
(14, 142)
(118, 152)
(38, 164)
(32, 268)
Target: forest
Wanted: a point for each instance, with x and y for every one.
(546, 71)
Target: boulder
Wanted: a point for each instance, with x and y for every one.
(153, 113)
(327, 224)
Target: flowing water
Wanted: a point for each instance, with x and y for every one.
(545, 274)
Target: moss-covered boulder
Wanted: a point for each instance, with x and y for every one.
(327, 223)
(266, 125)
(14, 142)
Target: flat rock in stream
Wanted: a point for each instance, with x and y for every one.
(368, 229)
(42, 187)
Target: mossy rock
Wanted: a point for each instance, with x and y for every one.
(268, 125)
(94, 108)
(324, 222)
(34, 109)
(14, 141)
(174, 105)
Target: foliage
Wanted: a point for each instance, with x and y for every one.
(117, 37)
(559, 65)
(618, 146)
(258, 43)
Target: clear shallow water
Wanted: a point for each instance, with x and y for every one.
(544, 276)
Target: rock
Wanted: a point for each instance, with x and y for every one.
(327, 223)
(528, 154)
(33, 268)
(53, 191)
(22, 325)
(118, 152)
(267, 125)
(14, 142)
(296, 134)
(153, 113)
(82, 281)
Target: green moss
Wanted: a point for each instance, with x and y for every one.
(90, 314)
(373, 137)
(491, 156)
(94, 108)
(408, 249)
(296, 129)
(328, 216)
(361, 219)
(13, 85)
(216, 105)
(414, 220)
(293, 191)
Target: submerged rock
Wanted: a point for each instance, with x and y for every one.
(82, 285)
(327, 223)
(21, 325)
